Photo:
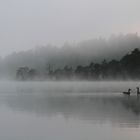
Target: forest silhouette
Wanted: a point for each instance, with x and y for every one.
(128, 67)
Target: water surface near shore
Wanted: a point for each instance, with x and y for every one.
(69, 110)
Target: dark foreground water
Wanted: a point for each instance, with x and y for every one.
(69, 111)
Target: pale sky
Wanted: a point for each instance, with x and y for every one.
(25, 24)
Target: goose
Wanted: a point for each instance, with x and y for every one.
(138, 91)
(127, 92)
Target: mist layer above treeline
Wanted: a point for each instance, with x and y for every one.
(72, 55)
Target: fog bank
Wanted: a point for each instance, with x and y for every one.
(71, 54)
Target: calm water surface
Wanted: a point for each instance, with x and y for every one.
(69, 111)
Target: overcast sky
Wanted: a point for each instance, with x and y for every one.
(25, 24)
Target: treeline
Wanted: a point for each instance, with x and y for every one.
(70, 54)
(128, 67)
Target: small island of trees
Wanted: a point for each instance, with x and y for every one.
(128, 67)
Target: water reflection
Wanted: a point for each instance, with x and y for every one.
(99, 108)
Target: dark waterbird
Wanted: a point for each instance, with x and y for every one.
(138, 91)
(127, 92)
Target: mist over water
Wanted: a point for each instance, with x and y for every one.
(69, 110)
(69, 77)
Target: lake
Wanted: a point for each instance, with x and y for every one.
(69, 111)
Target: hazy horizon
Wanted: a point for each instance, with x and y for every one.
(27, 24)
(72, 44)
